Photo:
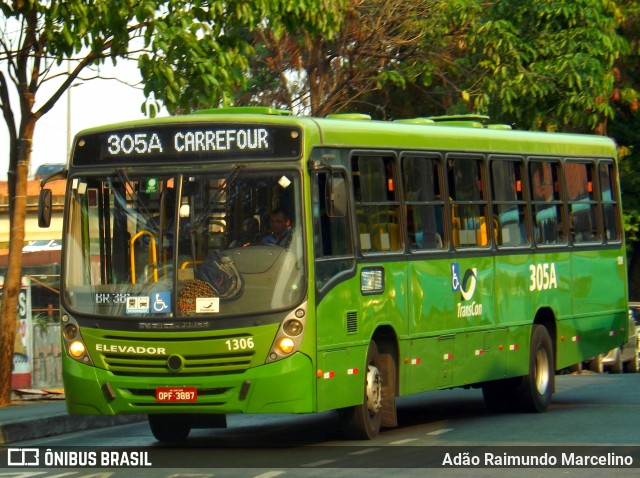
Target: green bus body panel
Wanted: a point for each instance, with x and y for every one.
(446, 341)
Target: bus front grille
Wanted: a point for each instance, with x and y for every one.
(191, 365)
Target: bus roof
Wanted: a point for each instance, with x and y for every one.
(464, 133)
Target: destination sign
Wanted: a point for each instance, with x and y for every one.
(192, 142)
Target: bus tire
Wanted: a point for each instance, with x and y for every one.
(362, 422)
(616, 366)
(595, 364)
(170, 428)
(536, 388)
(632, 366)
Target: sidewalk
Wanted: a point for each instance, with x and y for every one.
(29, 419)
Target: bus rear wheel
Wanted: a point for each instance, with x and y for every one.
(534, 393)
(362, 422)
(531, 392)
(170, 428)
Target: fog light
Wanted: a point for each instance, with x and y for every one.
(293, 327)
(286, 345)
(76, 349)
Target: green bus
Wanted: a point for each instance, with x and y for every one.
(245, 260)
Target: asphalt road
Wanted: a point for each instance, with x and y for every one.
(592, 418)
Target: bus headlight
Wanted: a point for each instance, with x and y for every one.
(70, 331)
(73, 343)
(290, 335)
(293, 327)
(76, 349)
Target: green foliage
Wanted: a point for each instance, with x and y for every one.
(190, 53)
(547, 65)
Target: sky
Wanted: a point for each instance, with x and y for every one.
(93, 103)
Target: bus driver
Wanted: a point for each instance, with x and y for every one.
(279, 227)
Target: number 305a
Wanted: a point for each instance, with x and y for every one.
(240, 344)
(543, 276)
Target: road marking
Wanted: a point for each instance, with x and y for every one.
(364, 452)
(184, 475)
(402, 442)
(318, 463)
(441, 431)
(270, 474)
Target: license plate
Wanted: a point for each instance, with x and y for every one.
(174, 394)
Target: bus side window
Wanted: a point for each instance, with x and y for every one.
(548, 212)
(582, 201)
(609, 199)
(509, 207)
(376, 204)
(468, 203)
(424, 202)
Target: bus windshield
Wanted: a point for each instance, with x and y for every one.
(213, 244)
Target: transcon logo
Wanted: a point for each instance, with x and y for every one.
(131, 349)
(467, 285)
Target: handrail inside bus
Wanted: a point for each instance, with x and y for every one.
(186, 264)
(152, 255)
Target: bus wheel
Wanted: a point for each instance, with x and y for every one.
(170, 428)
(616, 366)
(534, 394)
(362, 422)
(595, 364)
(632, 366)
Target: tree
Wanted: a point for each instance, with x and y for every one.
(189, 53)
(547, 65)
(536, 64)
(625, 128)
(380, 43)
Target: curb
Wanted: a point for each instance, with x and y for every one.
(50, 426)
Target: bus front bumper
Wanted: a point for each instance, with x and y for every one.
(286, 386)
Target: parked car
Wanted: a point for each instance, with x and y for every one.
(634, 309)
(626, 356)
(43, 245)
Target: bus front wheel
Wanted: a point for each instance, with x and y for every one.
(170, 428)
(362, 422)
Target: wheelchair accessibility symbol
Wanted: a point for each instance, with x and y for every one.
(161, 302)
(467, 285)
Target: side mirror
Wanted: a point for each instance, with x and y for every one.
(45, 201)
